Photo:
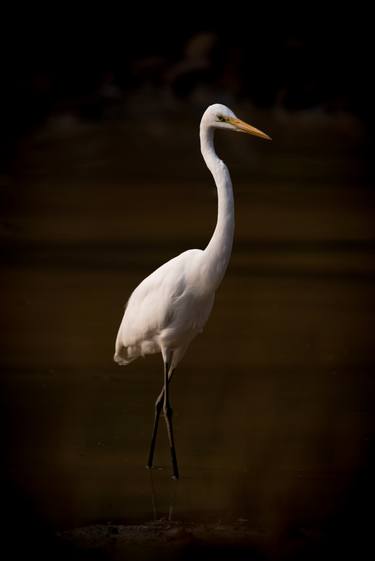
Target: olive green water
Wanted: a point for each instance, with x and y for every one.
(272, 403)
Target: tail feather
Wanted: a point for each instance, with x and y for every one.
(122, 357)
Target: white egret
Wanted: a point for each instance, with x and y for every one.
(171, 306)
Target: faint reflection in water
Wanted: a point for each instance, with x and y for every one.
(153, 496)
(172, 499)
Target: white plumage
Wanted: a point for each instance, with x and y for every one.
(165, 311)
(171, 306)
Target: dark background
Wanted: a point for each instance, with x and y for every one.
(305, 58)
(99, 116)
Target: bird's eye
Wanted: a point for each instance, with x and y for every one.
(221, 118)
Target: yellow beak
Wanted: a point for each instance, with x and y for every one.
(249, 129)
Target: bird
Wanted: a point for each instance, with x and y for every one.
(170, 307)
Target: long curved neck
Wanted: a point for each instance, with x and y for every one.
(217, 253)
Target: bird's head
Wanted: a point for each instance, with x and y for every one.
(219, 116)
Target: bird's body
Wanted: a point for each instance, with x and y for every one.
(166, 310)
(171, 306)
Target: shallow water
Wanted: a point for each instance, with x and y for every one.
(273, 403)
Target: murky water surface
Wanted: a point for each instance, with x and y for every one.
(273, 403)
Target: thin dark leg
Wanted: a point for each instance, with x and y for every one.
(158, 408)
(167, 410)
